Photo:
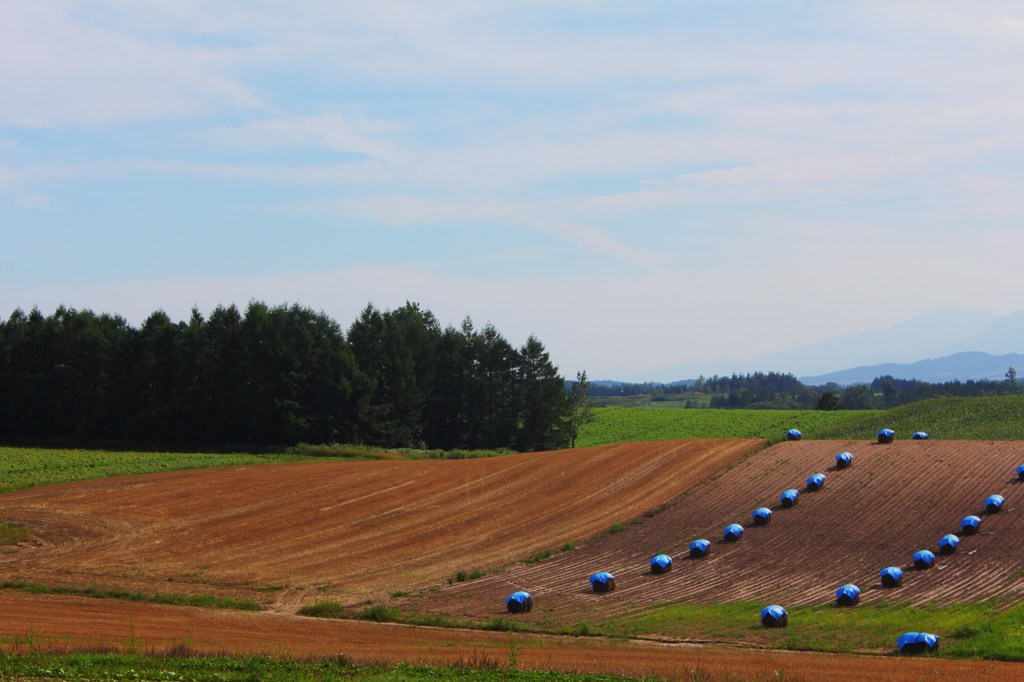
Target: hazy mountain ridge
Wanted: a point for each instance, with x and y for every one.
(959, 366)
(935, 335)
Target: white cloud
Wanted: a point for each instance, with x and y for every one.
(55, 70)
(1006, 26)
(410, 211)
(31, 201)
(587, 238)
(327, 131)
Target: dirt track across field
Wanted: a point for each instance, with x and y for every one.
(65, 624)
(348, 531)
(893, 501)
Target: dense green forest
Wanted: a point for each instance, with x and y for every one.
(273, 376)
(774, 390)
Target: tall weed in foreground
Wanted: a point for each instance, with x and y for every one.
(12, 533)
(323, 608)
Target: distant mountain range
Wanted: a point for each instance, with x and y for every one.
(942, 334)
(962, 366)
(936, 334)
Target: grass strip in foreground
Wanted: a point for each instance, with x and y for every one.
(93, 666)
(989, 630)
(203, 600)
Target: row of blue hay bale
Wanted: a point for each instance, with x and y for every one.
(604, 581)
(762, 516)
(774, 615)
(888, 435)
(920, 642)
(883, 435)
(849, 595)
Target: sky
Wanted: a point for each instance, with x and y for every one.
(641, 185)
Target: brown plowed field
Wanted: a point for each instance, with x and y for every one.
(894, 500)
(46, 622)
(340, 530)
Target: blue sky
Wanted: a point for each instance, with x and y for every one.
(642, 185)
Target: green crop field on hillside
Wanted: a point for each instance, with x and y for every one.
(26, 467)
(633, 424)
(985, 418)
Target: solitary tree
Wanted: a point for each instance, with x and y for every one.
(1011, 376)
(829, 400)
(579, 406)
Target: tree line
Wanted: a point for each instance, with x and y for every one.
(774, 390)
(277, 375)
(886, 391)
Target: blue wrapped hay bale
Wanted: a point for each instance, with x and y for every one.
(774, 616)
(700, 548)
(519, 602)
(970, 525)
(919, 435)
(1020, 473)
(948, 543)
(848, 595)
(662, 563)
(843, 460)
(815, 481)
(732, 532)
(994, 503)
(789, 497)
(885, 435)
(793, 434)
(917, 642)
(762, 516)
(891, 576)
(602, 581)
(923, 559)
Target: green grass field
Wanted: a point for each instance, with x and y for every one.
(633, 424)
(987, 630)
(26, 467)
(988, 418)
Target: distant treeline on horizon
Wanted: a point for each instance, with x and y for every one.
(774, 390)
(273, 376)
